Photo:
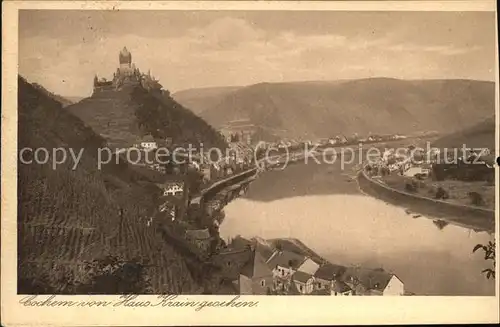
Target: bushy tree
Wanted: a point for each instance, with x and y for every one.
(489, 255)
(410, 187)
(114, 275)
(441, 193)
(476, 199)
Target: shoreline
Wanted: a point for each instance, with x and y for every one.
(478, 219)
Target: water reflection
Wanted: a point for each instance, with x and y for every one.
(440, 224)
(350, 228)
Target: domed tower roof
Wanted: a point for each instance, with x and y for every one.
(125, 56)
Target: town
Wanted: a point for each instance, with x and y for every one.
(289, 267)
(133, 115)
(195, 192)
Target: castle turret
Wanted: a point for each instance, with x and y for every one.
(125, 58)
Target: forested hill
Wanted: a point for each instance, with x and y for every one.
(481, 135)
(201, 99)
(73, 223)
(319, 109)
(65, 101)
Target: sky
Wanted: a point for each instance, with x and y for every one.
(64, 49)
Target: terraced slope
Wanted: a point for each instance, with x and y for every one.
(124, 117)
(69, 218)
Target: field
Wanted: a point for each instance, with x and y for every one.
(458, 191)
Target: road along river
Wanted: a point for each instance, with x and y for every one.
(321, 205)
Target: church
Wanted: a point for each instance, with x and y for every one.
(126, 75)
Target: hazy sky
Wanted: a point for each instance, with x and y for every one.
(63, 49)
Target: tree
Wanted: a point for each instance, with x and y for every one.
(195, 181)
(476, 199)
(410, 187)
(489, 254)
(113, 275)
(440, 224)
(441, 193)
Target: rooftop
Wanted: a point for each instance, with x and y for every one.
(369, 278)
(301, 276)
(256, 267)
(286, 259)
(329, 271)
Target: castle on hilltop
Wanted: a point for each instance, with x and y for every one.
(126, 75)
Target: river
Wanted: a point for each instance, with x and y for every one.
(321, 205)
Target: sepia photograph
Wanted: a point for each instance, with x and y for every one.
(240, 152)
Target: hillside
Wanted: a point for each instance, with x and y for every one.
(200, 99)
(123, 117)
(68, 219)
(481, 135)
(374, 105)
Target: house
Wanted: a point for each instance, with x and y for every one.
(255, 277)
(148, 143)
(365, 281)
(173, 189)
(230, 262)
(339, 288)
(487, 159)
(259, 244)
(326, 274)
(412, 171)
(285, 263)
(199, 237)
(303, 282)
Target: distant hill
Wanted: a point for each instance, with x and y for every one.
(123, 117)
(373, 105)
(481, 135)
(69, 217)
(74, 99)
(201, 99)
(65, 101)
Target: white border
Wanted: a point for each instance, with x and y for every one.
(271, 310)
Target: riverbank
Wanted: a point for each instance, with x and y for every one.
(476, 218)
(323, 206)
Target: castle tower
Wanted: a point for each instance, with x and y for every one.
(125, 58)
